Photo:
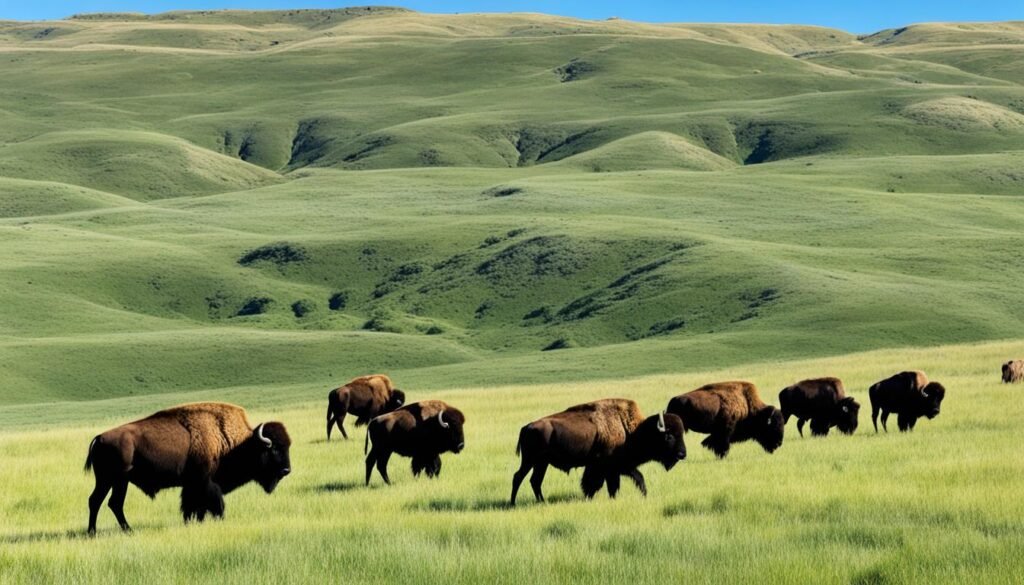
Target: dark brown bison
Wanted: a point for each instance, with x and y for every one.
(824, 402)
(607, 438)
(1013, 371)
(207, 448)
(421, 430)
(910, 395)
(729, 412)
(365, 397)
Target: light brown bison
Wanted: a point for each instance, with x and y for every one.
(910, 395)
(729, 412)
(824, 402)
(365, 397)
(421, 430)
(207, 448)
(607, 438)
(1013, 371)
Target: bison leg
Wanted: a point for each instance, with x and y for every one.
(537, 480)
(340, 419)
(417, 465)
(800, 425)
(518, 477)
(116, 503)
(215, 500)
(99, 493)
(614, 481)
(885, 419)
(593, 479)
(905, 422)
(718, 444)
(819, 428)
(370, 460)
(433, 467)
(874, 416)
(382, 466)
(193, 501)
(638, 479)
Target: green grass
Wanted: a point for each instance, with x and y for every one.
(657, 206)
(937, 505)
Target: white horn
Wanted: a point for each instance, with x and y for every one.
(259, 435)
(440, 419)
(661, 422)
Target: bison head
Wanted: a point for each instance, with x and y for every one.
(272, 461)
(660, 438)
(449, 421)
(1006, 372)
(846, 415)
(395, 401)
(931, 401)
(769, 428)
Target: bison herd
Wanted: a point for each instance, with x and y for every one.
(210, 449)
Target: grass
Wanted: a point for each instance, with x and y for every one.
(939, 504)
(514, 212)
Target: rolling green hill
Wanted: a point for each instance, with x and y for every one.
(194, 201)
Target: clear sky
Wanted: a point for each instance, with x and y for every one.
(857, 16)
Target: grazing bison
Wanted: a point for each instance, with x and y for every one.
(607, 438)
(1013, 371)
(206, 448)
(910, 395)
(421, 430)
(824, 402)
(729, 412)
(365, 397)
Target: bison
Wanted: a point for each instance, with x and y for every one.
(1013, 371)
(607, 438)
(910, 395)
(729, 412)
(824, 402)
(208, 449)
(365, 397)
(421, 430)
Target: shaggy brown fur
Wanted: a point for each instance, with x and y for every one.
(365, 397)
(207, 448)
(824, 402)
(729, 412)
(608, 438)
(1013, 372)
(910, 395)
(421, 430)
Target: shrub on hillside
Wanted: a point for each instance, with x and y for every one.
(279, 253)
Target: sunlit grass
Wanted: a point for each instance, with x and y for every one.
(940, 504)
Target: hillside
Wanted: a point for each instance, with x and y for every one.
(204, 200)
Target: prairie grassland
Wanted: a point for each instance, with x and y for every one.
(940, 504)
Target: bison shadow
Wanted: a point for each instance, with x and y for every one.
(450, 505)
(339, 487)
(52, 535)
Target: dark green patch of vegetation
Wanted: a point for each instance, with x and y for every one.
(279, 253)
(338, 301)
(303, 307)
(255, 306)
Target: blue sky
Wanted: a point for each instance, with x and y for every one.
(857, 16)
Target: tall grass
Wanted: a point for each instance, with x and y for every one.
(940, 504)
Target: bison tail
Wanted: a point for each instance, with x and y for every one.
(366, 442)
(88, 458)
(519, 443)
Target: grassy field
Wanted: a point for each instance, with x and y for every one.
(937, 505)
(515, 212)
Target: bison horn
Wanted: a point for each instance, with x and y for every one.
(440, 419)
(259, 435)
(661, 422)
